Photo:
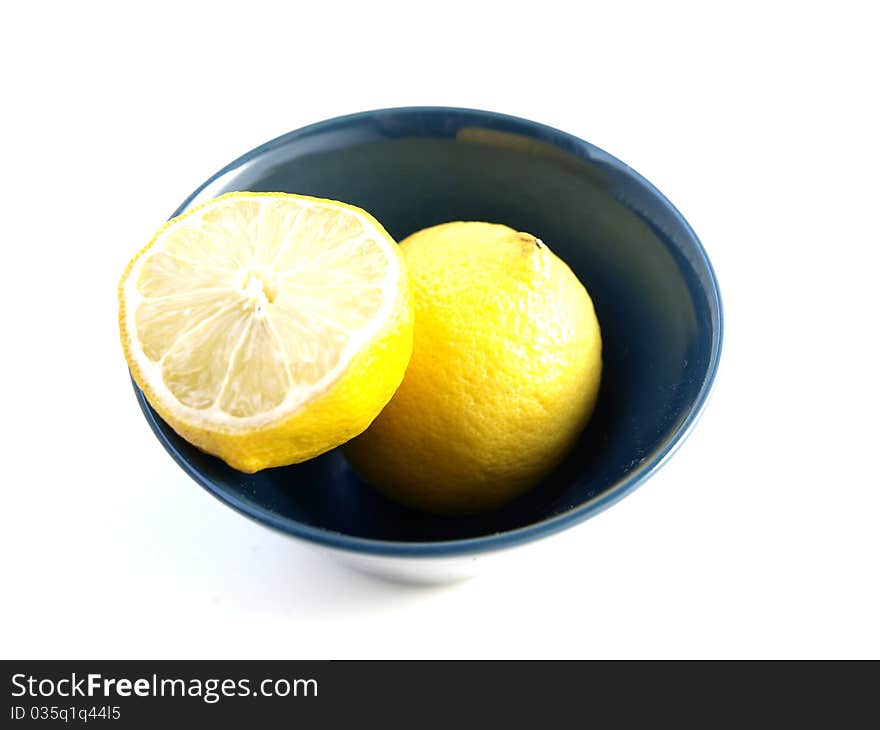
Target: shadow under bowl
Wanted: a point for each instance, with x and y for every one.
(651, 282)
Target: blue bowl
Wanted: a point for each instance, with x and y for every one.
(651, 282)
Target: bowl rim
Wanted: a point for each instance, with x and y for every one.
(499, 540)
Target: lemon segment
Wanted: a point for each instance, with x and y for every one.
(245, 318)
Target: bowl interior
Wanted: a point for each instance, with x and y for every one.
(650, 282)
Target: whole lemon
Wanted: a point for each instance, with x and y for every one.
(504, 374)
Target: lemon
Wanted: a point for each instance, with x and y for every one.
(504, 374)
(267, 328)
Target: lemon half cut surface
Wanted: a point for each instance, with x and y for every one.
(267, 328)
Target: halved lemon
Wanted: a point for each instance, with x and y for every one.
(267, 328)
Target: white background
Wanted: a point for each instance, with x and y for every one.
(759, 538)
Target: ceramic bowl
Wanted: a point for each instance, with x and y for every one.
(653, 287)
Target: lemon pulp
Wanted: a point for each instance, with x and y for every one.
(245, 317)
